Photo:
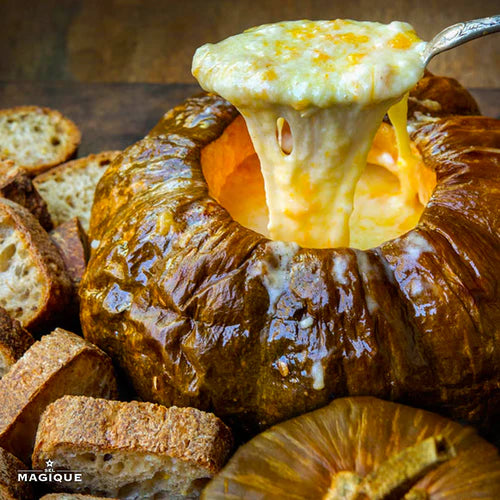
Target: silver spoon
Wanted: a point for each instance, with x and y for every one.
(460, 33)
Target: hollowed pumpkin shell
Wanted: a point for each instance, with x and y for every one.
(198, 310)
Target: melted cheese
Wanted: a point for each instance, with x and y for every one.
(381, 212)
(313, 95)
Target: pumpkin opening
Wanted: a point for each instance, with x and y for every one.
(313, 94)
(388, 199)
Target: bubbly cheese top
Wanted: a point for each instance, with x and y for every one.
(312, 63)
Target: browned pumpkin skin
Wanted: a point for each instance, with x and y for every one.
(298, 459)
(175, 292)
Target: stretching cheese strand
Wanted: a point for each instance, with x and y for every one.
(332, 82)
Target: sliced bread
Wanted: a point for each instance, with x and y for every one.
(69, 189)
(34, 284)
(16, 185)
(60, 363)
(131, 449)
(72, 243)
(36, 138)
(10, 487)
(14, 341)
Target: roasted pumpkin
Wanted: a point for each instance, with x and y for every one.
(362, 448)
(199, 310)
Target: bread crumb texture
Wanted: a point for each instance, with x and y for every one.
(14, 341)
(36, 138)
(69, 189)
(22, 284)
(132, 449)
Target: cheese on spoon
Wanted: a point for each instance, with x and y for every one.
(328, 85)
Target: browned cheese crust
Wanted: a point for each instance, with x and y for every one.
(17, 186)
(187, 434)
(57, 285)
(14, 339)
(61, 363)
(172, 291)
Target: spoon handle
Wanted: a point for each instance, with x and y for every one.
(460, 33)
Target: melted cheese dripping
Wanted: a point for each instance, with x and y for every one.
(310, 191)
(331, 83)
(407, 163)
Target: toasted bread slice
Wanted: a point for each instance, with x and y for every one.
(69, 189)
(34, 285)
(72, 243)
(61, 363)
(14, 341)
(16, 185)
(36, 138)
(10, 487)
(132, 450)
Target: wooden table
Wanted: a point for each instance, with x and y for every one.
(115, 115)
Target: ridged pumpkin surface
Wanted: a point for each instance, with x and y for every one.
(201, 311)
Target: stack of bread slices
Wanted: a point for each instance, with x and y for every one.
(61, 403)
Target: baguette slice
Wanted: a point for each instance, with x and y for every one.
(61, 363)
(36, 138)
(72, 243)
(132, 450)
(10, 487)
(34, 285)
(16, 185)
(73, 496)
(14, 341)
(69, 189)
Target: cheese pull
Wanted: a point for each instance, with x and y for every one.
(330, 84)
(310, 189)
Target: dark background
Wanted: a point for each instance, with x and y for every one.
(154, 41)
(115, 66)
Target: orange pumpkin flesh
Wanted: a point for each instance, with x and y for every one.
(232, 170)
(362, 448)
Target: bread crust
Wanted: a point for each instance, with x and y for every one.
(18, 187)
(14, 339)
(73, 496)
(70, 130)
(63, 174)
(183, 307)
(72, 243)
(60, 363)
(186, 434)
(358, 436)
(57, 285)
(10, 487)
(80, 163)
